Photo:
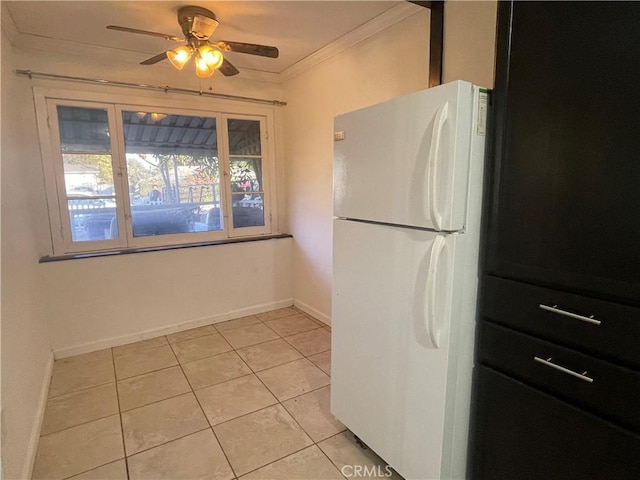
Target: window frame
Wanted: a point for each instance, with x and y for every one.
(46, 102)
(234, 231)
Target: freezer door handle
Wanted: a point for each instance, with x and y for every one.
(431, 324)
(434, 155)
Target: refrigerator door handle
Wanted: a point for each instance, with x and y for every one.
(431, 324)
(434, 154)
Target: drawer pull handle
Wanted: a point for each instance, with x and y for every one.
(555, 309)
(549, 363)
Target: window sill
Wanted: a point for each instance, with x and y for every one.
(121, 251)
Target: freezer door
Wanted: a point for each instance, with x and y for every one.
(390, 334)
(406, 161)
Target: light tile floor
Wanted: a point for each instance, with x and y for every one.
(247, 398)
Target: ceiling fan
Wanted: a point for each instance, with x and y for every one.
(198, 25)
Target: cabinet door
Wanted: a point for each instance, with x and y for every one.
(524, 434)
(565, 208)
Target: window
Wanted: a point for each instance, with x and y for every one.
(122, 176)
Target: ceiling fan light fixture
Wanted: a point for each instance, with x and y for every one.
(179, 56)
(203, 70)
(211, 56)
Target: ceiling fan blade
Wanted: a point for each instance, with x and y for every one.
(227, 69)
(156, 59)
(250, 48)
(145, 32)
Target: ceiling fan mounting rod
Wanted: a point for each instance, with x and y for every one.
(164, 88)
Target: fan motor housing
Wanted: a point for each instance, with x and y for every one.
(197, 22)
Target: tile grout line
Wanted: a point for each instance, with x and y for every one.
(180, 365)
(298, 423)
(272, 340)
(81, 389)
(144, 349)
(146, 373)
(157, 401)
(118, 379)
(278, 459)
(80, 424)
(268, 406)
(327, 456)
(171, 344)
(170, 441)
(368, 448)
(124, 447)
(313, 329)
(99, 466)
(280, 402)
(193, 392)
(255, 372)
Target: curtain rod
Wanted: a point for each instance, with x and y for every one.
(165, 89)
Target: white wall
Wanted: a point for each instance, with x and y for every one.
(26, 350)
(392, 63)
(95, 303)
(469, 41)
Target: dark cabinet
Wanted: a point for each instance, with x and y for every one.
(526, 434)
(608, 330)
(606, 389)
(557, 392)
(566, 206)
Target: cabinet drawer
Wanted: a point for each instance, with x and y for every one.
(599, 386)
(524, 434)
(606, 329)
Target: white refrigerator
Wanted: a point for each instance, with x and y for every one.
(408, 178)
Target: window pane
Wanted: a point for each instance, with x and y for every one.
(92, 219)
(83, 129)
(91, 200)
(172, 168)
(246, 175)
(247, 210)
(87, 175)
(244, 137)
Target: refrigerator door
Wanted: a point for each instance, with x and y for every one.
(406, 161)
(390, 333)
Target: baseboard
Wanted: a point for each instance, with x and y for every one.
(167, 330)
(324, 318)
(32, 448)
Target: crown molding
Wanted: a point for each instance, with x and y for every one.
(376, 25)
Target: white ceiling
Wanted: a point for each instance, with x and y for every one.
(304, 31)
